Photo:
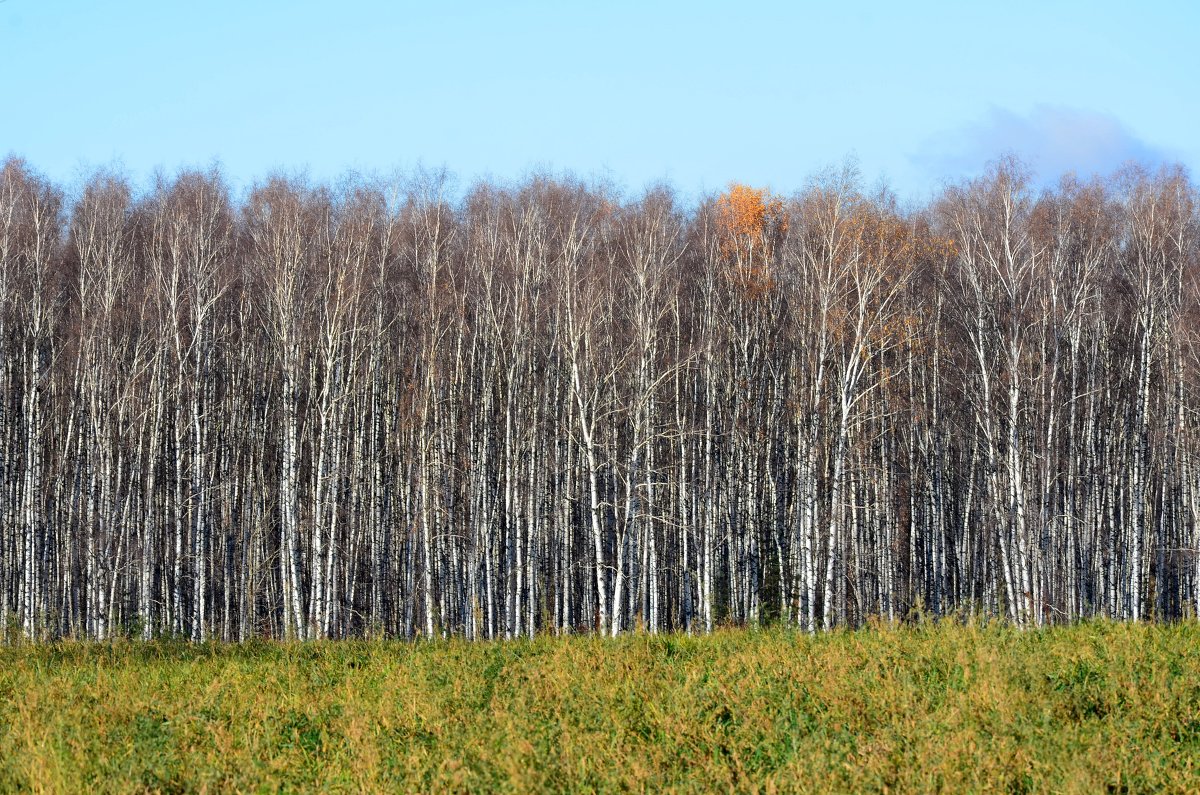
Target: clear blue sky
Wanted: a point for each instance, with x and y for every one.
(696, 93)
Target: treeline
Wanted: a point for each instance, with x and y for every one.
(547, 407)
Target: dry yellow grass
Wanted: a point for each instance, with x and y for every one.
(952, 708)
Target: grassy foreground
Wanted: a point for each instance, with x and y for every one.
(956, 708)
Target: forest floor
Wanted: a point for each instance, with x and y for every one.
(948, 707)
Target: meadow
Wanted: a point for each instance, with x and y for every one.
(948, 707)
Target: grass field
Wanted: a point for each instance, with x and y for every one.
(956, 708)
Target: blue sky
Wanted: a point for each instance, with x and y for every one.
(695, 93)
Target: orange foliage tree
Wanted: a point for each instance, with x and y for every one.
(751, 223)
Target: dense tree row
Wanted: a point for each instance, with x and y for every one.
(547, 407)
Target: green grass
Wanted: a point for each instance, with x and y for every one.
(1091, 708)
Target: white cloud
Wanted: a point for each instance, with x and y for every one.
(1052, 140)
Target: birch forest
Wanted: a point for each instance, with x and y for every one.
(393, 409)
